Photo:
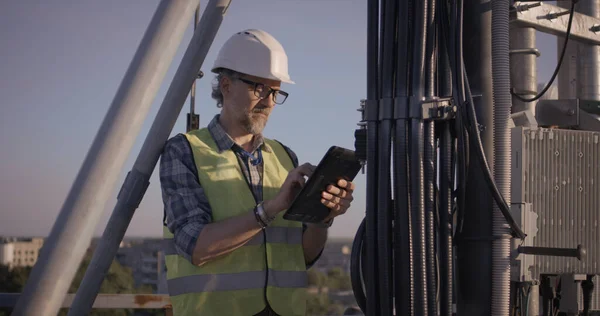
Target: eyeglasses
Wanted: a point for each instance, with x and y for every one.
(263, 91)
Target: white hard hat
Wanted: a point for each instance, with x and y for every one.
(256, 53)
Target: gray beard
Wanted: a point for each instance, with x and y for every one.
(254, 124)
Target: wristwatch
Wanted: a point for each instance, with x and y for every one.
(262, 217)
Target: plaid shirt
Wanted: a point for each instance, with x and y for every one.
(186, 206)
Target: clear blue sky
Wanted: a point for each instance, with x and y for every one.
(62, 61)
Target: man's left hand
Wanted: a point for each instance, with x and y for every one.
(338, 198)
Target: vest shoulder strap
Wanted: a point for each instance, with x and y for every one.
(290, 153)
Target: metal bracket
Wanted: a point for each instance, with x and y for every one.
(521, 264)
(193, 122)
(401, 107)
(570, 113)
(133, 189)
(386, 109)
(571, 292)
(524, 118)
(438, 109)
(554, 20)
(371, 110)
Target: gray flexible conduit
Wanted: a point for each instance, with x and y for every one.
(502, 106)
(429, 163)
(445, 212)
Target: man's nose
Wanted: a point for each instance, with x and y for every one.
(268, 101)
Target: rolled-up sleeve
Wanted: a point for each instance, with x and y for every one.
(186, 207)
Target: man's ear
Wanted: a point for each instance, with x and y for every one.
(225, 86)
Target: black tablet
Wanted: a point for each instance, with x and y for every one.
(338, 163)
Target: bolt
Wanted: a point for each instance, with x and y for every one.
(552, 15)
(570, 112)
(525, 7)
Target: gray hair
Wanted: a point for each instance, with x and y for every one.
(216, 88)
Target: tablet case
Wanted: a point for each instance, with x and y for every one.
(338, 163)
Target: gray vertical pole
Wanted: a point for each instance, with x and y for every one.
(523, 67)
(193, 119)
(533, 300)
(137, 181)
(474, 265)
(72, 232)
(588, 60)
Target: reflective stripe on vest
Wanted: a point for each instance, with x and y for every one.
(231, 281)
(269, 269)
(275, 235)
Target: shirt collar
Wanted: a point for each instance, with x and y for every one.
(224, 141)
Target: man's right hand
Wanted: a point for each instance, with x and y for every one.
(291, 187)
(222, 237)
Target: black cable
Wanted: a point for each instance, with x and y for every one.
(504, 208)
(458, 95)
(467, 112)
(356, 267)
(371, 279)
(560, 60)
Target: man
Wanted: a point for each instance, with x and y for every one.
(228, 249)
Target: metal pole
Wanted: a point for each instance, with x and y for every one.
(137, 181)
(523, 66)
(533, 300)
(474, 245)
(72, 232)
(193, 119)
(588, 60)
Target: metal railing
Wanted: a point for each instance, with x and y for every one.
(107, 301)
(125, 301)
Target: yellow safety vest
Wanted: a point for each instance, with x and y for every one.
(269, 268)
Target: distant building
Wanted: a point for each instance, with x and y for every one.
(147, 262)
(337, 253)
(20, 252)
